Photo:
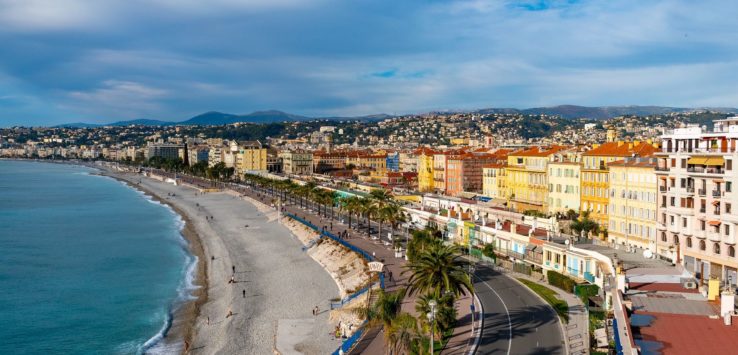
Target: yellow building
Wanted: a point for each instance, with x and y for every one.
(563, 186)
(633, 203)
(249, 156)
(459, 141)
(425, 169)
(440, 160)
(526, 178)
(595, 177)
(494, 183)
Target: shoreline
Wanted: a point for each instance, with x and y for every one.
(185, 315)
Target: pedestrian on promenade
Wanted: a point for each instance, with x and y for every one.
(244, 293)
(208, 321)
(233, 267)
(316, 310)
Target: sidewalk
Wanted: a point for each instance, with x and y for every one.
(462, 342)
(577, 329)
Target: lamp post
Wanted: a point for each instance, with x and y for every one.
(432, 319)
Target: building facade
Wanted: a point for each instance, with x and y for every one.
(563, 186)
(633, 203)
(298, 162)
(696, 222)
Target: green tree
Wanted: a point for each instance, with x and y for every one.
(439, 269)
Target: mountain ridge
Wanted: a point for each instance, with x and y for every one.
(214, 118)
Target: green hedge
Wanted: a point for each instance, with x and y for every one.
(586, 291)
(561, 281)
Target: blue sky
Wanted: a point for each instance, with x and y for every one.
(103, 60)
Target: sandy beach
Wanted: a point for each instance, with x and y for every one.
(282, 284)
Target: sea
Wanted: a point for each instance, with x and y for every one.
(88, 265)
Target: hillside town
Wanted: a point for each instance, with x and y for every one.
(653, 194)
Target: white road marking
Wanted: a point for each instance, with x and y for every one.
(509, 321)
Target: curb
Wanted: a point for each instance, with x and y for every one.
(561, 324)
(478, 330)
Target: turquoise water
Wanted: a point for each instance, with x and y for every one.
(87, 264)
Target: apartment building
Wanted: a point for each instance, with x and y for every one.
(324, 162)
(563, 186)
(298, 162)
(165, 150)
(439, 172)
(633, 203)
(425, 169)
(527, 179)
(464, 172)
(249, 156)
(696, 222)
(494, 182)
(595, 177)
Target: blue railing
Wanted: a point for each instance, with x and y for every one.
(618, 346)
(589, 277)
(352, 296)
(351, 341)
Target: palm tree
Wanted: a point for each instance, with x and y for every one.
(445, 312)
(584, 224)
(369, 209)
(437, 270)
(402, 333)
(384, 310)
(351, 205)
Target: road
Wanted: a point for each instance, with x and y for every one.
(516, 321)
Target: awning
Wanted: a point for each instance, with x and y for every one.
(715, 203)
(715, 161)
(697, 160)
(714, 223)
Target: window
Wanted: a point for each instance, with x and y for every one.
(684, 222)
(663, 236)
(673, 162)
(727, 229)
(729, 164)
(684, 163)
(716, 248)
(731, 251)
(676, 239)
(702, 225)
(727, 208)
(728, 186)
(689, 242)
(702, 245)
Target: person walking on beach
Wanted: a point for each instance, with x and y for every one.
(316, 310)
(233, 267)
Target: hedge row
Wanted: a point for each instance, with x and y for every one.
(586, 291)
(561, 281)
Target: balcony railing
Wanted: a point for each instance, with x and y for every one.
(705, 170)
(716, 193)
(662, 168)
(716, 212)
(702, 192)
(690, 189)
(702, 210)
(663, 188)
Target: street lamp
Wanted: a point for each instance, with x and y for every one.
(432, 320)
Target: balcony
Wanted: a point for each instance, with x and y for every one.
(706, 170)
(702, 192)
(716, 193)
(690, 189)
(702, 210)
(729, 239)
(662, 168)
(712, 236)
(663, 188)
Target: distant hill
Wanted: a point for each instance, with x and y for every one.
(219, 118)
(603, 112)
(143, 122)
(77, 125)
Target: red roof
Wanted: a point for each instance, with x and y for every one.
(622, 149)
(690, 334)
